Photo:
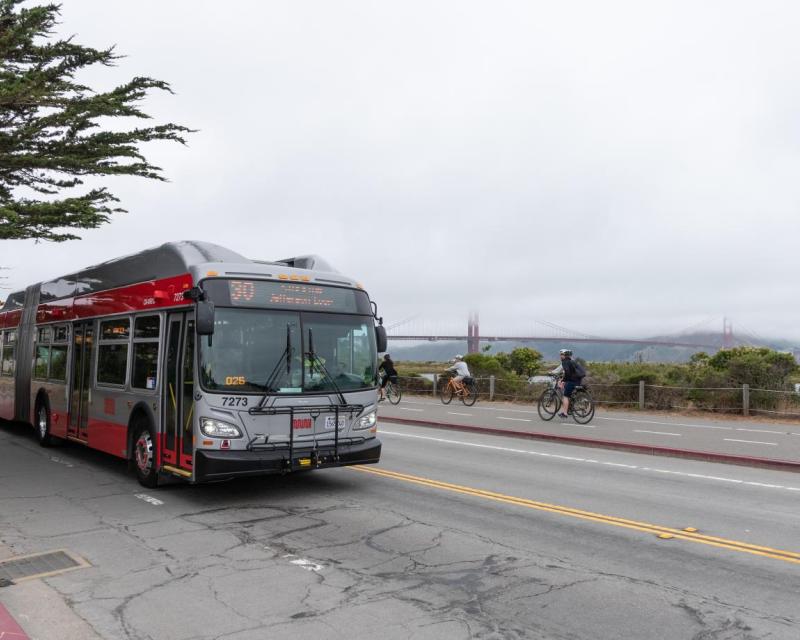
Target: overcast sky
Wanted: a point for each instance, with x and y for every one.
(621, 168)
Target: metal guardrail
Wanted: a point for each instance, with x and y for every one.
(742, 400)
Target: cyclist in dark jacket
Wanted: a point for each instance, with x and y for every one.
(570, 380)
(389, 374)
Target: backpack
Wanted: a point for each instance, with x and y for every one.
(580, 372)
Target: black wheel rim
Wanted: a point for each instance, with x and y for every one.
(42, 423)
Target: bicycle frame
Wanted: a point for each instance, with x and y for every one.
(467, 392)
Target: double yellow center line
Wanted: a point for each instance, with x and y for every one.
(644, 527)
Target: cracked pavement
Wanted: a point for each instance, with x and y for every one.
(342, 554)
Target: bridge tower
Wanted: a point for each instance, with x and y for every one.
(727, 334)
(473, 333)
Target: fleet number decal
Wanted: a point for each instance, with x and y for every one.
(228, 401)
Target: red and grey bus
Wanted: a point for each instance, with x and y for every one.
(194, 362)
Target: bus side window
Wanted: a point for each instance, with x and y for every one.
(42, 362)
(58, 353)
(112, 355)
(9, 352)
(146, 333)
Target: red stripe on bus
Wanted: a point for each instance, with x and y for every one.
(108, 436)
(10, 319)
(153, 294)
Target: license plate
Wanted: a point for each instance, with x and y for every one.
(331, 420)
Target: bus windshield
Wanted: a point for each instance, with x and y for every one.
(248, 352)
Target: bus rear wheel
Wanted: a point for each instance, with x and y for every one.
(43, 423)
(144, 454)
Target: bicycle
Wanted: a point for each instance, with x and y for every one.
(467, 391)
(580, 407)
(393, 391)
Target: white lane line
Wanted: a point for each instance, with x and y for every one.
(658, 433)
(666, 424)
(504, 409)
(554, 456)
(456, 413)
(634, 420)
(150, 499)
(773, 444)
(574, 424)
(514, 419)
(780, 433)
(408, 409)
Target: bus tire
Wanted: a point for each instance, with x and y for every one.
(145, 449)
(43, 422)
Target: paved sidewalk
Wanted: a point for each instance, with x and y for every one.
(9, 629)
(31, 609)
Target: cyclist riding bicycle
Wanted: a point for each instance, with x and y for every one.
(571, 377)
(461, 370)
(389, 375)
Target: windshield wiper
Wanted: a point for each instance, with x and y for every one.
(312, 358)
(286, 355)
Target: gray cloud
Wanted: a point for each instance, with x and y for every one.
(622, 168)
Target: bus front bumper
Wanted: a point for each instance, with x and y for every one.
(221, 465)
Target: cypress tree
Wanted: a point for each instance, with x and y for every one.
(51, 136)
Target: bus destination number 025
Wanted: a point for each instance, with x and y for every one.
(235, 401)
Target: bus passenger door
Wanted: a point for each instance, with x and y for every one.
(178, 401)
(80, 380)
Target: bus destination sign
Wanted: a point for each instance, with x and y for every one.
(296, 295)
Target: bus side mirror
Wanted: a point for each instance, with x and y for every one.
(204, 318)
(380, 338)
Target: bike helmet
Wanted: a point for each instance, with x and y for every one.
(458, 357)
(565, 352)
(387, 357)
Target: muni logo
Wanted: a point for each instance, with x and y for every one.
(301, 423)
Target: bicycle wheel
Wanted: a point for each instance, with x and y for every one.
(446, 393)
(582, 407)
(393, 393)
(469, 394)
(548, 404)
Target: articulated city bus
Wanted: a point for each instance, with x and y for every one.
(194, 362)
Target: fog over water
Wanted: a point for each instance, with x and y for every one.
(620, 168)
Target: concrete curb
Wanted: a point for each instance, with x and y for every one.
(9, 627)
(653, 450)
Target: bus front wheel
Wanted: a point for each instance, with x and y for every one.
(144, 454)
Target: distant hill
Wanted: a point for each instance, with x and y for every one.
(443, 351)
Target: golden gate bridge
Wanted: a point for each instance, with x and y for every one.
(413, 329)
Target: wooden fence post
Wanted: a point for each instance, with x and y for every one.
(746, 399)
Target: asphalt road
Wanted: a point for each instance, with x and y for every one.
(453, 535)
(735, 436)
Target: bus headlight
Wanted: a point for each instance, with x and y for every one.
(218, 429)
(367, 422)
